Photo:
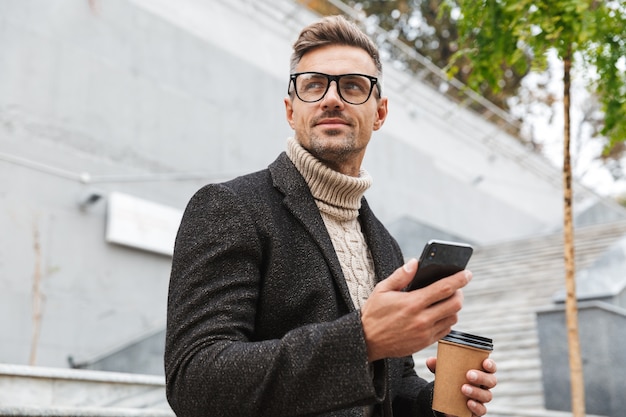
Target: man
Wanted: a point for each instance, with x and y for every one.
(286, 295)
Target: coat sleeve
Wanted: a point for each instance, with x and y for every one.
(414, 395)
(213, 364)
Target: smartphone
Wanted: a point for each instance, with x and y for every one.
(440, 259)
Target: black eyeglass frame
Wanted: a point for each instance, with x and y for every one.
(335, 78)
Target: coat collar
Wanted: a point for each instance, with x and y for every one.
(299, 201)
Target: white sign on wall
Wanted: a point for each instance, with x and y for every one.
(142, 224)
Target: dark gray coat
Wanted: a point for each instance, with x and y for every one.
(260, 320)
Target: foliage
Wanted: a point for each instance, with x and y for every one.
(501, 34)
(432, 31)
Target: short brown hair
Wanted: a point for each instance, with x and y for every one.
(333, 30)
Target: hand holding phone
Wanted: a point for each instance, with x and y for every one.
(440, 259)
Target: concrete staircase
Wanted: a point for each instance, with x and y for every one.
(38, 391)
(512, 280)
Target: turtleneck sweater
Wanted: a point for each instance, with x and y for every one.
(338, 197)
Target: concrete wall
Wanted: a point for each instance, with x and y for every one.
(602, 344)
(156, 98)
(108, 99)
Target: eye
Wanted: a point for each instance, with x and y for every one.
(312, 83)
(355, 84)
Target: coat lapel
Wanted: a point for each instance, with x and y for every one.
(300, 203)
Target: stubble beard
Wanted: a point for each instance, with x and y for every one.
(331, 148)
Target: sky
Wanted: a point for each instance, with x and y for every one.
(545, 125)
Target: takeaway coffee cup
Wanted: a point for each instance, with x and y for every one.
(457, 353)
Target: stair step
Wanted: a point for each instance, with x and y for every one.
(60, 411)
(31, 390)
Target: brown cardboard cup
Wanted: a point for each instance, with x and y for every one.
(457, 353)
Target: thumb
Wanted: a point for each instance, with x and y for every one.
(431, 364)
(401, 277)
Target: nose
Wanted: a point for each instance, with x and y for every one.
(332, 97)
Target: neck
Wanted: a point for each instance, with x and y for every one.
(330, 188)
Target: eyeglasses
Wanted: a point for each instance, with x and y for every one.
(313, 86)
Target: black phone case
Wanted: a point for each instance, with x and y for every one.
(440, 259)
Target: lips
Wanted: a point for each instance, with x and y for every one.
(332, 122)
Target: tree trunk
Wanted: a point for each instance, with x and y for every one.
(571, 309)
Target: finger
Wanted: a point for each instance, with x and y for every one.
(444, 326)
(446, 287)
(476, 408)
(489, 366)
(400, 277)
(431, 364)
(444, 312)
(477, 394)
(481, 379)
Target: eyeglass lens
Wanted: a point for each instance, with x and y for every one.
(353, 88)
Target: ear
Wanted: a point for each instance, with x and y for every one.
(381, 113)
(289, 111)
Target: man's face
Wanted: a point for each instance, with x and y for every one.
(336, 132)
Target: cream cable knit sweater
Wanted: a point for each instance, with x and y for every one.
(338, 197)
